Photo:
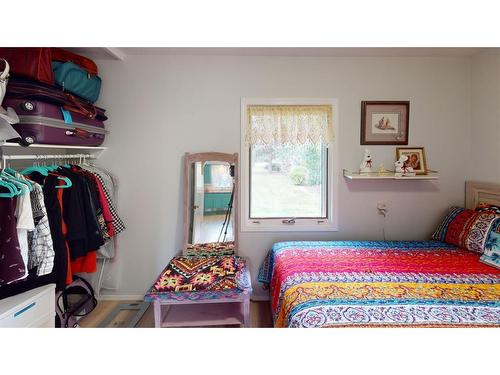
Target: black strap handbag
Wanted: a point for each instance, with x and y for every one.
(75, 301)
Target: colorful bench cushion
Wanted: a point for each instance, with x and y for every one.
(468, 229)
(195, 278)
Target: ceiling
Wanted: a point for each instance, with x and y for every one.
(122, 52)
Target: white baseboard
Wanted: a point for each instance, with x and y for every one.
(121, 297)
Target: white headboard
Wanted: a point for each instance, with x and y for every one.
(476, 192)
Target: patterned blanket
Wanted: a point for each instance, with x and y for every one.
(201, 278)
(365, 283)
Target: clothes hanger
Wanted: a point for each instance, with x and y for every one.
(53, 168)
(11, 174)
(36, 168)
(66, 180)
(44, 171)
(12, 190)
(21, 187)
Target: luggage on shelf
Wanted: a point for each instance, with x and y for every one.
(32, 63)
(52, 91)
(59, 54)
(24, 89)
(76, 80)
(47, 123)
(55, 66)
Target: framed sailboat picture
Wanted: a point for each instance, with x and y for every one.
(385, 122)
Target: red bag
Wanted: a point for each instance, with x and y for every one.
(36, 63)
(33, 63)
(59, 54)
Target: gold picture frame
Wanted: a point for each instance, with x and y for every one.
(416, 158)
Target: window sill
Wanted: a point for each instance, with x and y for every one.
(297, 227)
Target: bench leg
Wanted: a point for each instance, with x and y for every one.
(157, 313)
(246, 312)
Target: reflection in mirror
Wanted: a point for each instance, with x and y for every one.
(211, 192)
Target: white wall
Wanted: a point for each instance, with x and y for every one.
(159, 107)
(485, 118)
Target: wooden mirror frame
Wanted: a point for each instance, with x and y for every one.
(189, 159)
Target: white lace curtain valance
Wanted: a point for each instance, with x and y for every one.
(289, 124)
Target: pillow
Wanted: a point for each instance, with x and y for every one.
(488, 207)
(493, 260)
(492, 246)
(468, 229)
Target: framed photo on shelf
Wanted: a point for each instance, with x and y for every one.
(385, 122)
(416, 158)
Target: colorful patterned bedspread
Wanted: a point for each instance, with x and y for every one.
(366, 283)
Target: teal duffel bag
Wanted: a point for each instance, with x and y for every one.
(77, 80)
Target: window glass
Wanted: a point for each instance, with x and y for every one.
(288, 181)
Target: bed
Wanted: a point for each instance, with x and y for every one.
(383, 283)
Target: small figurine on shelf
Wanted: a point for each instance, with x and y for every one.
(402, 168)
(382, 171)
(366, 165)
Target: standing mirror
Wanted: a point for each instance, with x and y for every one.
(210, 203)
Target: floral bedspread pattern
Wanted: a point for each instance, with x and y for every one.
(201, 277)
(370, 283)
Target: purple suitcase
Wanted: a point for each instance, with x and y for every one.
(44, 123)
(25, 89)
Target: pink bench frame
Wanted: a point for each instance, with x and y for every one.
(193, 317)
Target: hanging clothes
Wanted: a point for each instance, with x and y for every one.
(12, 266)
(58, 228)
(109, 184)
(25, 223)
(40, 243)
(80, 215)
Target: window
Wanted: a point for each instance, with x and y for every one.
(288, 181)
(288, 170)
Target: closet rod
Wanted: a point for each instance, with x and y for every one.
(45, 157)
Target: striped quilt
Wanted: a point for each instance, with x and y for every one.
(368, 283)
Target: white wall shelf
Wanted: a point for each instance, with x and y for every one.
(100, 53)
(14, 151)
(430, 175)
(59, 147)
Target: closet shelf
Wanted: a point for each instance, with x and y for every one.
(60, 147)
(430, 175)
(14, 151)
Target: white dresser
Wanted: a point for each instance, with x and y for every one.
(34, 308)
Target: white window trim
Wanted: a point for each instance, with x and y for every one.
(301, 225)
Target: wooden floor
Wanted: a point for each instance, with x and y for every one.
(260, 316)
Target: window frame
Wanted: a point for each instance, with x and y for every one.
(330, 223)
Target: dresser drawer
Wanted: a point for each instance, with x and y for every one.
(33, 308)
